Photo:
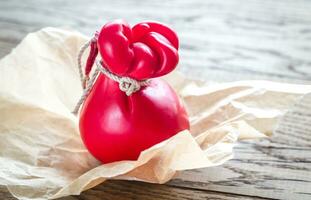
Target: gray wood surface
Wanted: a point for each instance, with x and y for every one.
(220, 41)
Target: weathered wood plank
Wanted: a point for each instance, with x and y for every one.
(279, 167)
(129, 190)
(219, 41)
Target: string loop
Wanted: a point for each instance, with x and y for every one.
(126, 84)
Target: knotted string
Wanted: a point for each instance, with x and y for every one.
(126, 84)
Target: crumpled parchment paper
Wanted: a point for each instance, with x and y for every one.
(42, 155)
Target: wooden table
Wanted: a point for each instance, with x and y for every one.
(220, 41)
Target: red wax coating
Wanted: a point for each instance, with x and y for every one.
(147, 50)
(115, 126)
(91, 59)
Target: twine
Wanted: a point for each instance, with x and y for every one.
(126, 84)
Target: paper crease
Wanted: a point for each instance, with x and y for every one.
(42, 155)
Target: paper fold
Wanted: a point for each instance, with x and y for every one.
(42, 155)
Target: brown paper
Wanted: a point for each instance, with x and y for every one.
(42, 155)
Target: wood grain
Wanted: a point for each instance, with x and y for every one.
(220, 41)
(278, 167)
(130, 190)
